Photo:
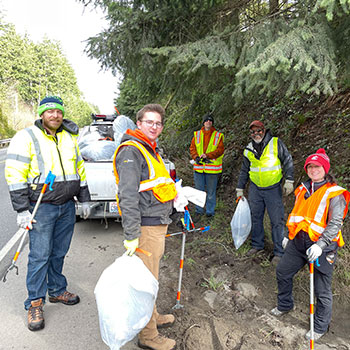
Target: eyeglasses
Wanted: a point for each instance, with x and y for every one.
(257, 131)
(151, 123)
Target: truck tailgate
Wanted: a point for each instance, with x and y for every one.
(101, 180)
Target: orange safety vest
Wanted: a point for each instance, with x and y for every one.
(310, 215)
(159, 180)
(215, 167)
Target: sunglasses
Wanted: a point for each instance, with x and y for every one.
(257, 131)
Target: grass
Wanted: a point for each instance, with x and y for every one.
(212, 283)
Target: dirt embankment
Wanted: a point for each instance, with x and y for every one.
(227, 297)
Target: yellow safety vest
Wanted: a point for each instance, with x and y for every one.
(310, 215)
(33, 153)
(159, 181)
(215, 167)
(267, 170)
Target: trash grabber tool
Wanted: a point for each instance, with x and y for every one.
(48, 181)
(311, 265)
(204, 228)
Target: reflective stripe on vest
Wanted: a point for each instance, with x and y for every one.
(215, 167)
(159, 180)
(267, 170)
(310, 215)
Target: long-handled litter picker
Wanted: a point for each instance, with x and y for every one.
(49, 180)
(312, 338)
(186, 228)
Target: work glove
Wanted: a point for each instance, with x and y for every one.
(314, 252)
(239, 193)
(198, 160)
(288, 187)
(131, 246)
(24, 219)
(86, 210)
(285, 242)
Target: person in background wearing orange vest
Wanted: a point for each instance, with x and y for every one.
(314, 233)
(145, 197)
(207, 150)
(266, 161)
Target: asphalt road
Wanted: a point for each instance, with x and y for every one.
(66, 327)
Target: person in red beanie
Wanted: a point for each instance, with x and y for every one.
(266, 162)
(314, 233)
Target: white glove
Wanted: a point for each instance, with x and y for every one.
(288, 187)
(180, 200)
(285, 242)
(239, 192)
(313, 252)
(24, 219)
(86, 210)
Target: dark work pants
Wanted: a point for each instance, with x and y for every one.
(293, 260)
(271, 199)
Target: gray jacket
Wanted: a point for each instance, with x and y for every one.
(138, 208)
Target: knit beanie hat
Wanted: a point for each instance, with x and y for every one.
(257, 123)
(207, 117)
(50, 102)
(319, 158)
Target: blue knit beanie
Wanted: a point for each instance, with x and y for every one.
(50, 102)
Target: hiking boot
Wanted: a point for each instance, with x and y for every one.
(278, 313)
(164, 321)
(65, 298)
(317, 336)
(253, 251)
(275, 260)
(36, 315)
(157, 343)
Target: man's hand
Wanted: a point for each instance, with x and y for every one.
(198, 160)
(285, 242)
(239, 193)
(314, 252)
(131, 246)
(24, 219)
(86, 210)
(288, 187)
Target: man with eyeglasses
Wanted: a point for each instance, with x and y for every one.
(207, 150)
(145, 196)
(266, 161)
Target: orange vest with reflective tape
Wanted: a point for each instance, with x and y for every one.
(215, 167)
(310, 215)
(159, 180)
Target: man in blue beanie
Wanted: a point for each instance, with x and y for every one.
(50, 144)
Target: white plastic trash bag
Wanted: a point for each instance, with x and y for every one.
(241, 222)
(125, 296)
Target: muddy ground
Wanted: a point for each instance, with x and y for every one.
(227, 297)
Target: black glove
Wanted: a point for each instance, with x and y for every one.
(198, 160)
(207, 161)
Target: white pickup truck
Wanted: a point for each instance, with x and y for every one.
(99, 172)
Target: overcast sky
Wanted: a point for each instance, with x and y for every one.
(68, 22)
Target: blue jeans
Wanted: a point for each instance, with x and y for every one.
(49, 241)
(271, 199)
(206, 182)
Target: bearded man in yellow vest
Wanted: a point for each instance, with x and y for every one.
(266, 161)
(314, 233)
(207, 150)
(145, 196)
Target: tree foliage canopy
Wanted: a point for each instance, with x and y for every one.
(202, 55)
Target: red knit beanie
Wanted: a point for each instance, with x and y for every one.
(319, 158)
